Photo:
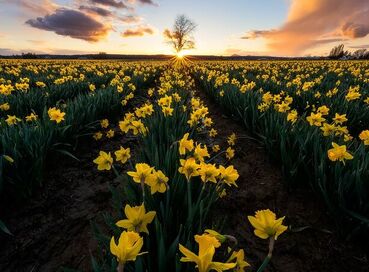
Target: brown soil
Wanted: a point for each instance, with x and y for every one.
(53, 230)
(311, 244)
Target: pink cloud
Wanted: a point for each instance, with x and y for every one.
(314, 22)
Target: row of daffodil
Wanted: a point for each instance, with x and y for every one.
(311, 116)
(170, 191)
(51, 116)
(28, 87)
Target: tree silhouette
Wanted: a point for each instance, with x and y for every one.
(337, 52)
(180, 37)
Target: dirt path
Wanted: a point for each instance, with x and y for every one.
(311, 245)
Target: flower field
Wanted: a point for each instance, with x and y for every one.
(212, 166)
(312, 118)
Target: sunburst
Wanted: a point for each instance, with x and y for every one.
(180, 60)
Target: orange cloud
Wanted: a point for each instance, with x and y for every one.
(314, 22)
(138, 31)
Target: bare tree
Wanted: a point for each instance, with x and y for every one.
(338, 52)
(361, 54)
(180, 37)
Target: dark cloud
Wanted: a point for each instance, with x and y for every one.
(72, 23)
(354, 30)
(110, 3)
(325, 41)
(127, 19)
(138, 32)
(148, 2)
(357, 25)
(96, 10)
(256, 34)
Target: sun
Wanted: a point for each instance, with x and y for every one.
(180, 55)
(180, 59)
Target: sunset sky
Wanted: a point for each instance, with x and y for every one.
(224, 27)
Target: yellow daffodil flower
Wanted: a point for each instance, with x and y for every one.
(56, 115)
(143, 170)
(98, 135)
(31, 117)
(208, 172)
(201, 152)
(104, 161)
(157, 181)
(232, 139)
(104, 123)
(12, 120)
(128, 248)
(229, 153)
(189, 168)
(185, 144)
(137, 219)
(266, 224)
(364, 136)
(339, 153)
(204, 259)
(229, 175)
(239, 257)
(123, 154)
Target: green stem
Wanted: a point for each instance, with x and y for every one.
(189, 201)
(120, 267)
(216, 156)
(264, 264)
(167, 199)
(268, 257)
(115, 171)
(200, 196)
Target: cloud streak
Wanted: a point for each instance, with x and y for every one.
(96, 10)
(72, 23)
(138, 32)
(130, 19)
(315, 22)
